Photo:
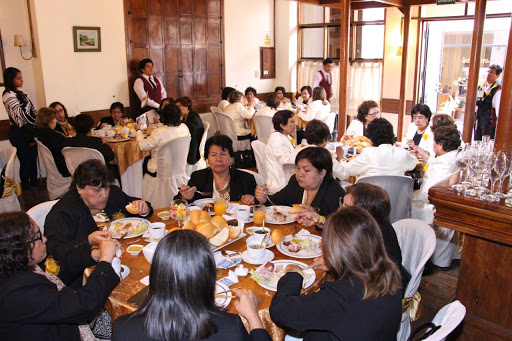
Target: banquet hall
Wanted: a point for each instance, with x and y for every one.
(398, 53)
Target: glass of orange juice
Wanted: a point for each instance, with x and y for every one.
(220, 206)
(260, 211)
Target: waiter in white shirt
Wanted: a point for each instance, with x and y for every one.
(323, 78)
(149, 88)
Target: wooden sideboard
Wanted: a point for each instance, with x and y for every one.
(485, 279)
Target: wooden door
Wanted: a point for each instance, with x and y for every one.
(184, 40)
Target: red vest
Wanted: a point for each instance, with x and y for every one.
(325, 84)
(154, 94)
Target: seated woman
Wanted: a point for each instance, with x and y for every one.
(172, 129)
(181, 301)
(46, 122)
(195, 126)
(225, 95)
(439, 120)
(446, 142)
(366, 112)
(36, 305)
(70, 227)
(279, 150)
(318, 109)
(419, 133)
(166, 101)
(271, 108)
(283, 101)
(305, 98)
(361, 298)
(64, 123)
(312, 185)
(219, 179)
(116, 114)
(382, 158)
(250, 94)
(239, 112)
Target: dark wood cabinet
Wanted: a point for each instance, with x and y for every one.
(184, 40)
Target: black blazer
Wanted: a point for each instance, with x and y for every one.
(241, 183)
(230, 327)
(81, 140)
(106, 120)
(195, 126)
(55, 142)
(67, 227)
(326, 199)
(336, 312)
(31, 307)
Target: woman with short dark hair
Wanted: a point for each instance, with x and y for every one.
(116, 115)
(250, 94)
(64, 123)
(319, 108)
(225, 95)
(305, 97)
(36, 305)
(366, 112)
(361, 297)
(195, 126)
(439, 120)
(419, 132)
(271, 108)
(280, 91)
(239, 110)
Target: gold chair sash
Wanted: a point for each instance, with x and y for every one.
(460, 242)
(414, 305)
(9, 187)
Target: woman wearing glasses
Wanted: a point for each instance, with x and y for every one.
(367, 112)
(64, 123)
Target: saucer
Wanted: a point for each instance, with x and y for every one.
(269, 245)
(269, 255)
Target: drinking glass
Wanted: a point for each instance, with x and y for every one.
(505, 168)
(260, 212)
(220, 206)
(180, 211)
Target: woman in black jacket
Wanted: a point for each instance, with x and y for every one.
(194, 123)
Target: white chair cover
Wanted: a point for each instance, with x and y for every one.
(259, 154)
(56, 184)
(170, 173)
(10, 203)
(74, 156)
(330, 121)
(227, 127)
(417, 241)
(39, 212)
(446, 247)
(214, 111)
(399, 188)
(212, 120)
(264, 127)
(259, 179)
(449, 317)
(201, 163)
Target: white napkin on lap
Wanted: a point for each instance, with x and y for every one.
(116, 265)
(230, 279)
(303, 232)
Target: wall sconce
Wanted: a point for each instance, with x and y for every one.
(19, 41)
(398, 51)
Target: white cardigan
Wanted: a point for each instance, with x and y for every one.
(382, 160)
(266, 111)
(316, 110)
(355, 128)
(239, 114)
(425, 143)
(278, 151)
(222, 105)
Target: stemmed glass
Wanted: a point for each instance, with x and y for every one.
(494, 175)
(463, 153)
(505, 166)
(179, 211)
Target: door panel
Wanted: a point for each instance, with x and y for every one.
(201, 60)
(139, 31)
(185, 31)
(200, 9)
(201, 85)
(137, 7)
(213, 33)
(187, 86)
(155, 7)
(171, 32)
(185, 8)
(199, 32)
(155, 31)
(214, 8)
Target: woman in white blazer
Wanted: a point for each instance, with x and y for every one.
(271, 107)
(438, 120)
(319, 109)
(225, 94)
(279, 150)
(446, 142)
(239, 113)
(367, 112)
(381, 159)
(419, 132)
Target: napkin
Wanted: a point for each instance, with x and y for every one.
(231, 279)
(227, 263)
(303, 232)
(116, 265)
(145, 280)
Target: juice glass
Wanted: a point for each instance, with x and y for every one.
(220, 206)
(260, 211)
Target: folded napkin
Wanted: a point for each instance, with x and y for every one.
(227, 262)
(145, 280)
(116, 265)
(303, 232)
(231, 279)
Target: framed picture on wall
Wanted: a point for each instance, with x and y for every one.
(86, 39)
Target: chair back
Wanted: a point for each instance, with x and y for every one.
(214, 111)
(330, 121)
(226, 125)
(8, 200)
(74, 156)
(39, 212)
(263, 126)
(417, 241)
(449, 317)
(400, 190)
(259, 154)
(56, 184)
(172, 157)
(206, 126)
(259, 179)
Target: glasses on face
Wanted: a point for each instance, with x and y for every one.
(60, 111)
(38, 236)
(375, 114)
(491, 73)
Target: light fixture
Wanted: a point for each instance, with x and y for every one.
(398, 51)
(19, 41)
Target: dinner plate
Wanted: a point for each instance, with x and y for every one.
(290, 218)
(269, 255)
(302, 253)
(121, 140)
(202, 202)
(220, 301)
(129, 235)
(310, 274)
(220, 258)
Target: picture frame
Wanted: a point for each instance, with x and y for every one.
(86, 39)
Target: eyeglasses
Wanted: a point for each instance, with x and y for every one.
(60, 110)
(39, 236)
(375, 114)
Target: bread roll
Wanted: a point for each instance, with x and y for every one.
(207, 229)
(189, 226)
(277, 236)
(234, 231)
(205, 217)
(220, 238)
(219, 221)
(195, 217)
(132, 209)
(177, 228)
(296, 208)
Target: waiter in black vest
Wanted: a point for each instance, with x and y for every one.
(488, 103)
(323, 78)
(148, 87)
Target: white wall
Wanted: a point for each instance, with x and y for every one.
(286, 42)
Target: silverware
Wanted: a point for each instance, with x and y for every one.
(124, 235)
(204, 194)
(229, 255)
(294, 231)
(133, 242)
(225, 291)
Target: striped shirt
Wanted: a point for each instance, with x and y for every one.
(19, 113)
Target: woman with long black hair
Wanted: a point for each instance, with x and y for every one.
(22, 115)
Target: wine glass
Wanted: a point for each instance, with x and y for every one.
(505, 165)
(180, 211)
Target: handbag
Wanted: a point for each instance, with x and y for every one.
(429, 332)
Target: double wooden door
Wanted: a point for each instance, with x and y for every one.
(184, 40)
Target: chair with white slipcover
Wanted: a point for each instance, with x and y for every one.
(227, 127)
(259, 154)
(201, 163)
(417, 241)
(170, 173)
(449, 317)
(56, 184)
(74, 156)
(264, 127)
(216, 128)
(331, 120)
(259, 179)
(39, 212)
(9, 201)
(399, 189)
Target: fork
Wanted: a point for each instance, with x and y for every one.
(204, 194)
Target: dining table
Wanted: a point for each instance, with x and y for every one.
(117, 303)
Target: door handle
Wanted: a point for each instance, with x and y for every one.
(180, 73)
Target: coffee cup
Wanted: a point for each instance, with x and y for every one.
(157, 231)
(256, 250)
(261, 235)
(242, 212)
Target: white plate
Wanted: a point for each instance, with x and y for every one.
(202, 202)
(269, 244)
(219, 257)
(302, 253)
(290, 218)
(310, 278)
(125, 271)
(219, 301)
(228, 242)
(269, 255)
(121, 140)
(129, 235)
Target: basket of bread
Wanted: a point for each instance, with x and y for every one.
(359, 142)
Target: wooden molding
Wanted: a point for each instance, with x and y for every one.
(391, 106)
